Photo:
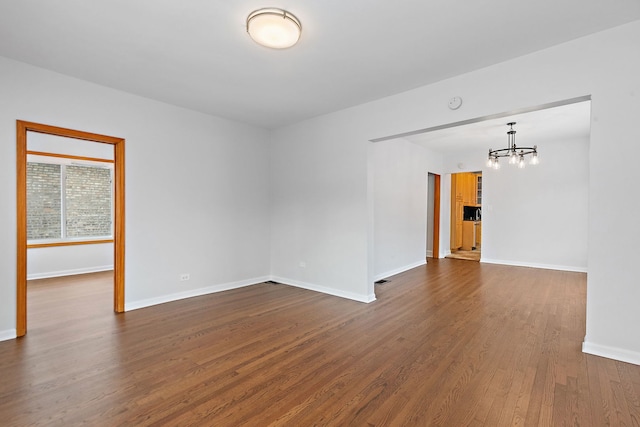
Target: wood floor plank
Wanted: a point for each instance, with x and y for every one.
(452, 343)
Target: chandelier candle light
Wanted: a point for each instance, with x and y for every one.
(515, 154)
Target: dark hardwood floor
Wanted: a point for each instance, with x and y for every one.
(453, 343)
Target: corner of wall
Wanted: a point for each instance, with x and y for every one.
(366, 298)
(400, 270)
(134, 305)
(611, 352)
(8, 335)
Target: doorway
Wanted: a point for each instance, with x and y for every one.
(466, 216)
(23, 129)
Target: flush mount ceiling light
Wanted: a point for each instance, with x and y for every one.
(515, 154)
(274, 28)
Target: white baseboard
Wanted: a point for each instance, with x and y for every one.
(72, 272)
(400, 270)
(429, 254)
(535, 265)
(611, 352)
(9, 334)
(325, 290)
(134, 305)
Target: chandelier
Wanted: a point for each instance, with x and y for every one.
(515, 154)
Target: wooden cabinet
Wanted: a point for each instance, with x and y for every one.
(458, 223)
(471, 235)
(457, 211)
(466, 190)
(470, 189)
(457, 185)
(465, 186)
(468, 235)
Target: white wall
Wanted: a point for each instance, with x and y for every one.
(319, 209)
(400, 205)
(65, 260)
(327, 153)
(196, 187)
(538, 216)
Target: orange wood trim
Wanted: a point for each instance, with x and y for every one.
(71, 133)
(119, 229)
(73, 243)
(436, 217)
(21, 193)
(22, 127)
(69, 156)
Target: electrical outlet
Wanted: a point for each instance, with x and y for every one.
(302, 264)
(184, 277)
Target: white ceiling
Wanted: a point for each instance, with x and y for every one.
(567, 122)
(196, 53)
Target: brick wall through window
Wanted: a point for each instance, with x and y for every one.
(85, 210)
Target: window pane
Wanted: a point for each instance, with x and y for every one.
(43, 201)
(88, 201)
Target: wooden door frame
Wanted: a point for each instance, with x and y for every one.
(435, 251)
(22, 127)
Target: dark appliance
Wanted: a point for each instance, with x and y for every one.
(472, 213)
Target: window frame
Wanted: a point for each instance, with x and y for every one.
(66, 159)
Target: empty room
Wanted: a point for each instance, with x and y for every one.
(282, 187)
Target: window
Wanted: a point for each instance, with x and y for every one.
(68, 200)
